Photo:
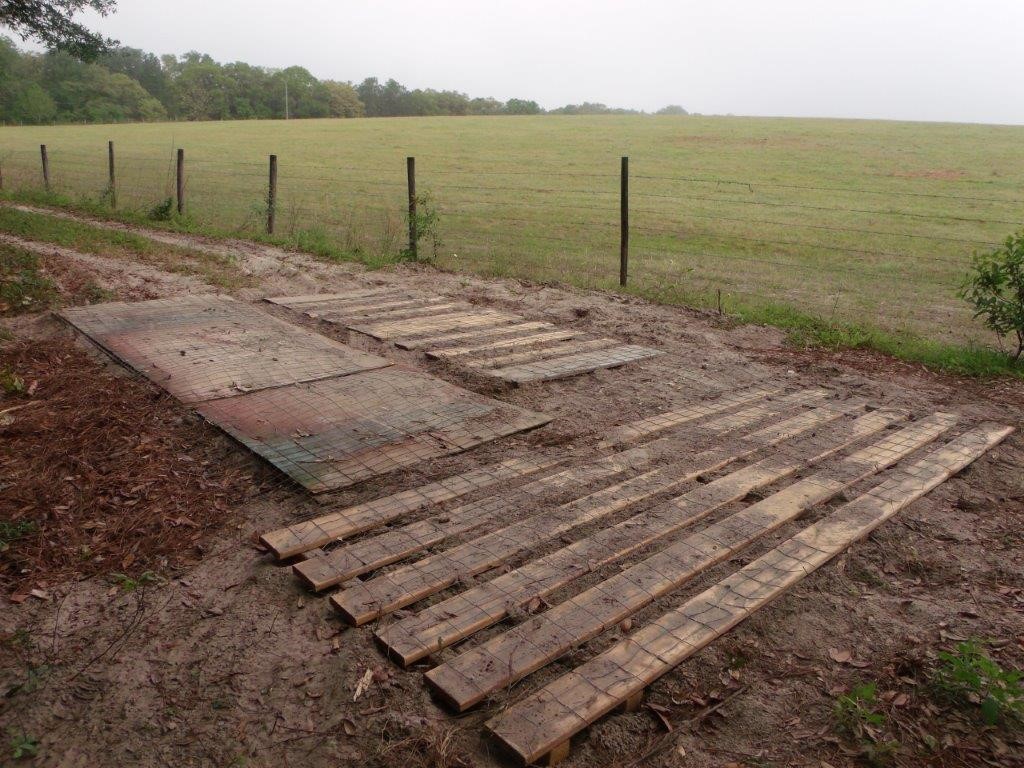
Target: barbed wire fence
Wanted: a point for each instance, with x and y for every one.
(890, 257)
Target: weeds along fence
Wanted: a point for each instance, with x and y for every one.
(890, 256)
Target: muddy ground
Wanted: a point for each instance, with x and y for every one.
(222, 659)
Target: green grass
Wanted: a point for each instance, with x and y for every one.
(218, 271)
(22, 287)
(849, 233)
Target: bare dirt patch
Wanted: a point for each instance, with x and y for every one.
(227, 660)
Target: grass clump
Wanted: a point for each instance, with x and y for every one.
(23, 288)
(969, 678)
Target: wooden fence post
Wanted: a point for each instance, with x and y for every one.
(410, 168)
(272, 195)
(113, 178)
(181, 182)
(46, 166)
(624, 224)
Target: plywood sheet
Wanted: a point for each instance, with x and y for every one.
(205, 347)
(330, 434)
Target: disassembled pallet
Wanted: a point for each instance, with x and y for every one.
(543, 523)
(322, 412)
(491, 343)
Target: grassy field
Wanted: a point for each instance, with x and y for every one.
(801, 222)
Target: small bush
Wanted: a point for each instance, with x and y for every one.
(162, 211)
(996, 290)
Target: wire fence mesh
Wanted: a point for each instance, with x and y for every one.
(890, 256)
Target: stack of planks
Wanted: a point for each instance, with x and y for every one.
(640, 496)
(491, 343)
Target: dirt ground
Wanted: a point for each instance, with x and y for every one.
(222, 659)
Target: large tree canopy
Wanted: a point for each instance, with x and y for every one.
(51, 22)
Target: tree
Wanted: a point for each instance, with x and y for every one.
(51, 22)
(672, 109)
(522, 107)
(33, 105)
(343, 100)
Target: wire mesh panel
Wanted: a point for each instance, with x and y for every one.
(333, 433)
(204, 347)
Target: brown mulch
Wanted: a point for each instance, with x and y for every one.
(103, 474)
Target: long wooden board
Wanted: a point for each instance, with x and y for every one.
(570, 365)
(548, 718)
(318, 298)
(370, 599)
(536, 338)
(310, 534)
(455, 619)
(340, 565)
(389, 330)
(421, 342)
(539, 641)
(515, 358)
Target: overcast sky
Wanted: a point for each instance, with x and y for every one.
(957, 60)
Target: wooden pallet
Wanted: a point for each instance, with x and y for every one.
(530, 528)
(491, 343)
(540, 641)
(367, 600)
(542, 723)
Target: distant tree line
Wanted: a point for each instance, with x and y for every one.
(126, 84)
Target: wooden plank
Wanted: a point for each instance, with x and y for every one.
(401, 313)
(449, 338)
(450, 621)
(370, 599)
(309, 534)
(537, 354)
(572, 365)
(366, 555)
(669, 419)
(542, 721)
(530, 646)
(416, 326)
(365, 310)
(535, 338)
(343, 564)
(314, 298)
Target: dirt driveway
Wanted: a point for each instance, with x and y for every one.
(220, 658)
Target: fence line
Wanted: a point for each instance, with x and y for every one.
(652, 223)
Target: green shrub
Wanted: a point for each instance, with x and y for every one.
(996, 290)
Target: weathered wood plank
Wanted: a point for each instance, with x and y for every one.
(337, 568)
(367, 600)
(421, 342)
(397, 310)
(452, 620)
(361, 557)
(544, 720)
(315, 298)
(309, 534)
(529, 355)
(537, 642)
(536, 338)
(416, 326)
(571, 365)
(668, 419)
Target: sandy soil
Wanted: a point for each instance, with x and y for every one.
(228, 661)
